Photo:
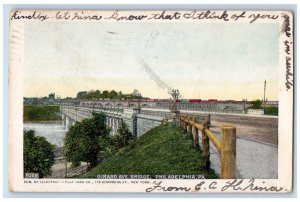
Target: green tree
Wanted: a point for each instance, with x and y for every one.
(38, 154)
(120, 95)
(86, 139)
(123, 136)
(113, 94)
(89, 95)
(105, 94)
(81, 94)
(98, 94)
(256, 104)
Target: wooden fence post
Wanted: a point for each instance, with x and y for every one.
(189, 130)
(205, 146)
(195, 133)
(228, 152)
(181, 121)
(184, 123)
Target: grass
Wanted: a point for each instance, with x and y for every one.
(164, 150)
(41, 113)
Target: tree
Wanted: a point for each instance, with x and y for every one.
(38, 154)
(81, 94)
(123, 137)
(98, 94)
(256, 104)
(86, 139)
(113, 94)
(120, 95)
(105, 94)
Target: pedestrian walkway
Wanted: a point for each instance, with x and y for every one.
(254, 159)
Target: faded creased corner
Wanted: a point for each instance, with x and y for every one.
(11, 188)
(290, 13)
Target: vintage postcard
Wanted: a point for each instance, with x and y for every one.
(187, 101)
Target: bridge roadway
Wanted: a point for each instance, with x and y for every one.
(220, 106)
(255, 158)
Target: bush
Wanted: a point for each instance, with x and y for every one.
(271, 111)
(38, 154)
(123, 137)
(86, 139)
(256, 104)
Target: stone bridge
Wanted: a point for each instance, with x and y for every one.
(139, 121)
(141, 115)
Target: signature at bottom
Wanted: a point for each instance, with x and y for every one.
(233, 185)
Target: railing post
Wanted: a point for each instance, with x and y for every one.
(184, 123)
(195, 133)
(205, 145)
(189, 130)
(180, 121)
(187, 124)
(228, 152)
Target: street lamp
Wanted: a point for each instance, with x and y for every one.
(139, 95)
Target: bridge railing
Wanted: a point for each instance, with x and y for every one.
(156, 113)
(92, 109)
(226, 147)
(109, 109)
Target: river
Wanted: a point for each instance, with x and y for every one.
(54, 132)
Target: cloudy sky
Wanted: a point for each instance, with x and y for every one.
(222, 61)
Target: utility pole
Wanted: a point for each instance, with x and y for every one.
(265, 91)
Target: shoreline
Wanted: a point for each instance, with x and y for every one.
(58, 121)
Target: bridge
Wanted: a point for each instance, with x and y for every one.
(139, 121)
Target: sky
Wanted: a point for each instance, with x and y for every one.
(207, 61)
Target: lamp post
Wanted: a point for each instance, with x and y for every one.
(139, 95)
(175, 94)
(244, 106)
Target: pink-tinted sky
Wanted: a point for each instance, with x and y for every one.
(201, 60)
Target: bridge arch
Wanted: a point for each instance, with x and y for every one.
(132, 105)
(108, 105)
(99, 104)
(119, 105)
(145, 105)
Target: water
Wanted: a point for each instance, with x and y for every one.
(53, 132)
